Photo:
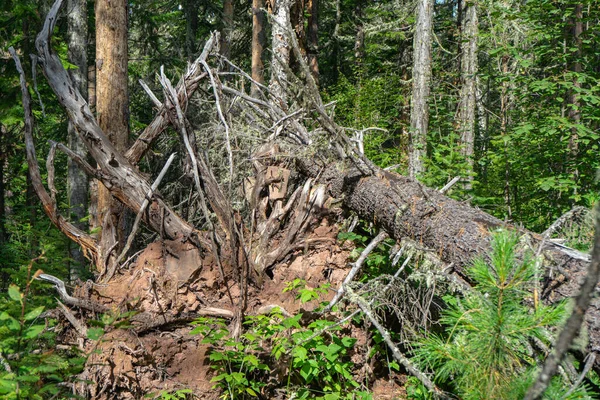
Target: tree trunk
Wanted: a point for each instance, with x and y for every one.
(112, 108)
(573, 102)
(312, 38)
(77, 181)
(468, 99)
(227, 28)
(281, 52)
(190, 10)
(336, 42)
(456, 232)
(258, 44)
(419, 115)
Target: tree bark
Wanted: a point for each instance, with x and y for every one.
(258, 44)
(468, 99)
(281, 52)
(421, 75)
(77, 182)
(112, 108)
(312, 38)
(190, 10)
(573, 103)
(455, 231)
(227, 28)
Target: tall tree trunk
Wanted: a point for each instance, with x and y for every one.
(421, 75)
(312, 38)
(258, 44)
(504, 103)
(77, 181)
(112, 111)
(190, 10)
(227, 28)
(574, 103)
(281, 52)
(336, 42)
(468, 98)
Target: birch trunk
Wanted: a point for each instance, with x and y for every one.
(281, 52)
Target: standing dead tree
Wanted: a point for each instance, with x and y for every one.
(302, 149)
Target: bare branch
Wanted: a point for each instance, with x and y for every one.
(87, 242)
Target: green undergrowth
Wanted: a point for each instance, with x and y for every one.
(486, 347)
(275, 352)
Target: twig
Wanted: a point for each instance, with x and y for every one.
(150, 94)
(79, 327)
(62, 291)
(356, 268)
(145, 204)
(34, 61)
(220, 112)
(574, 322)
(590, 359)
(410, 367)
(449, 184)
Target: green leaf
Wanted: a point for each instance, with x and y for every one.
(95, 333)
(33, 314)
(251, 392)
(34, 331)
(14, 292)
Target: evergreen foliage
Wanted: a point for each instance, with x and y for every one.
(485, 348)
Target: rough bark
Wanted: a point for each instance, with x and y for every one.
(455, 231)
(227, 28)
(421, 76)
(77, 182)
(281, 52)
(468, 99)
(112, 109)
(258, 44)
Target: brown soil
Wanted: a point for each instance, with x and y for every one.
(168, 285)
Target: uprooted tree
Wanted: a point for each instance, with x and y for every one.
(303, 171)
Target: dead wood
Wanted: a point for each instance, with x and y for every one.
(119, 176)
(59, 285)
(87, 242)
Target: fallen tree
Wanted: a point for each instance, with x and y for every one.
(303, 149)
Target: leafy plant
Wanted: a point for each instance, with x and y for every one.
(316, 365)
(29, 366)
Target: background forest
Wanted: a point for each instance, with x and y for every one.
(513, 109)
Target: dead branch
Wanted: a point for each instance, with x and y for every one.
(185, 89)
(120, 177)
(59, 285)
(79, 327)
(410, 367)
(356, 268)
(138, 217)
(87, 242)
